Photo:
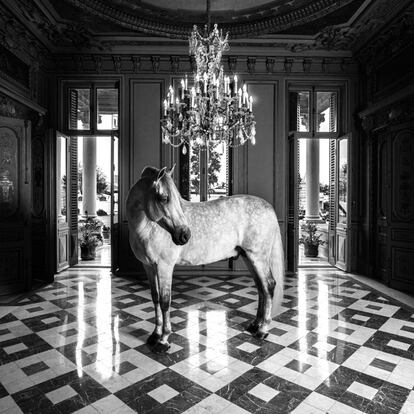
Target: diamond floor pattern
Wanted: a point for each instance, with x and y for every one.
(78, 345)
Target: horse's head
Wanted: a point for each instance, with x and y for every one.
(163, 203)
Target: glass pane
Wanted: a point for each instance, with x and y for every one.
(326, 111)
(79, 109)
(61, 180)
(194, 172)
(107, 109)
(299, 111)
(343, 180)
(217, 171)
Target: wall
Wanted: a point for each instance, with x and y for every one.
(387, 125)
(260, 170)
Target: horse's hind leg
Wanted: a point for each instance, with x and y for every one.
(259, 327)
(153, 282)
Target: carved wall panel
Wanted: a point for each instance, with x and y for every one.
(403, 264)
(9, 172)
(38, 163)
(11, 266)
(403, 176)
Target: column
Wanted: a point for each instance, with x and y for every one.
(89, 177)
(312, 179)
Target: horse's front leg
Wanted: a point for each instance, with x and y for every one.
(153, 282)
(164, 278)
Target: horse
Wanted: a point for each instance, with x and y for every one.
(166, 230)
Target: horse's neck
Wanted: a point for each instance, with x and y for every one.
(142, 224)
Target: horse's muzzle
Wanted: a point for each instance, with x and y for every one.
(181, 236)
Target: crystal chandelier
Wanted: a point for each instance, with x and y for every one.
(213, 109)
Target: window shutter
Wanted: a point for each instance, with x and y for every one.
(73, 109)
(73, 201)
(332, 186)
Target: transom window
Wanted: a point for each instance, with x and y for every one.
(91, 108)
(313, 112)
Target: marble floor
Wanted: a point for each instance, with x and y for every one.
(78, 345)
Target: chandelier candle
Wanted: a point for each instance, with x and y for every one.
(213, 109)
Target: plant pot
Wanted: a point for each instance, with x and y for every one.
(88, 252)
(311, 250)
(105, 234)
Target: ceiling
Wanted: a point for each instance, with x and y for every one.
(175, 19)
(118, 26)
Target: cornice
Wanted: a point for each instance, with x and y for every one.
(164, 64)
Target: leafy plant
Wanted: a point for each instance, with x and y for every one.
(308, 234)
(89, 233)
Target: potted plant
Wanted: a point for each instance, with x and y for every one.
(310, 239)
(105, 231)
(89, 239)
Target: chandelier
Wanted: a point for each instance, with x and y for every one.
(214, 109)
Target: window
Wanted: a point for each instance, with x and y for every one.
(79, 109)
(107, 105)
(216, 183)
(313, 111)
(90, 108)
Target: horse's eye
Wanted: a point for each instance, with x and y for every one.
(163, 197)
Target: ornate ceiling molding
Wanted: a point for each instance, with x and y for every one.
(276, 23)
(52, 33)
(16, 38)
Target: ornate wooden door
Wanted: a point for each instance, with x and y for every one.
(394, 227)
(15, 205)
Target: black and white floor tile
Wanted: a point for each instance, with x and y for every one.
(78, 345)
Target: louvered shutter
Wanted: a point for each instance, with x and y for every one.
(73, 201)
(73, 109)
(332, 199)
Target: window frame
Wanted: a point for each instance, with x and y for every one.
(93, 87)
(312, 89)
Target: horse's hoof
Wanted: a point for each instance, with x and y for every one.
(252, 328)
(160, 348)
(260, 335)
(153, 339)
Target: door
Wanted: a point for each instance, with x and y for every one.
(62, 202)
(15, 205)
(114, 202)
(73, 187)
(293, 205)
(340, 209)
(394, 207)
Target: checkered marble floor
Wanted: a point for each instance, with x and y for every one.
(78, 345)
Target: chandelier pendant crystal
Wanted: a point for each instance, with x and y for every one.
(214, 109)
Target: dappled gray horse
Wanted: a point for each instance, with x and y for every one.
(165, 230)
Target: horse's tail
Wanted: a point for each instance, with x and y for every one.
(277, 267)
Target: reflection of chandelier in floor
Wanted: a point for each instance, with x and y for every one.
(213, 109)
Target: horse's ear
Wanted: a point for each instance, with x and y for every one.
(171, 172)
(161, 174)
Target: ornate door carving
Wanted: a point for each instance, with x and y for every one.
(15, 210)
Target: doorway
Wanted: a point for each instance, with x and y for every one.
(87, 201)
(313, 202)
(318, 202)
(97, 200)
